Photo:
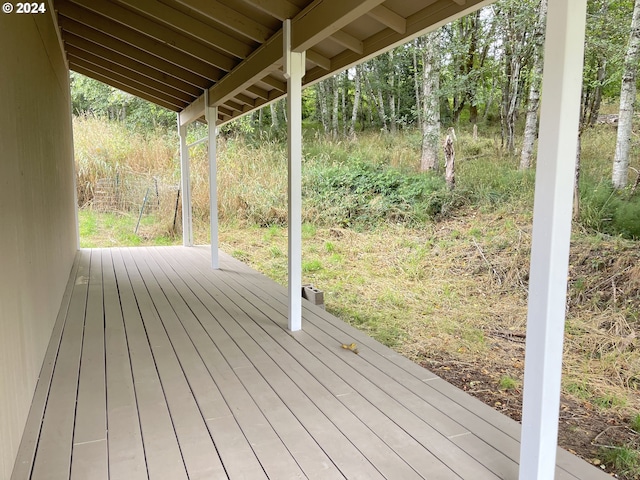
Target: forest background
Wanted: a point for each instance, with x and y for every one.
(434, 269)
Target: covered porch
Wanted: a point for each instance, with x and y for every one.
(161, 367)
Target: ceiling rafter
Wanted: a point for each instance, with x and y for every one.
(172, 51)
(389, 18)
(233, 20)
(319, 60)
(280, 9)
(122, 72)
(76, 45)
(99, 29)
(349, 41)
(321, 19)
(430, 17)
(125, 84)
(159, 32)
(317, 20)
(258, 92)
(190, 26)
(76, 30)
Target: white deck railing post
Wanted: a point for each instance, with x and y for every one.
(294, 69)
(563, 63)
(211, 115)
(187, 227)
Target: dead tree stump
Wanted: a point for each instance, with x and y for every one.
(449, 158)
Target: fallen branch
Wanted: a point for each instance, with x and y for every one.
(519, 337)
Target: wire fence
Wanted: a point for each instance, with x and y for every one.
(139, 195)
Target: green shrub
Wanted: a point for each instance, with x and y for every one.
(605, 210)
(364, 193)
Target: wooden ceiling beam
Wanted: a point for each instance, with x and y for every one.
(220, 13)
(308, 27)
(275, 83)
(130, 74)
(348, 41)
(225, 111)
(319, 60)
(157, 54)
(389, 18)
(429, 18)
(74, 42)
(175, 19)
(254, 67)
(125, 87)
(159, 32)
(280, 9)
(193, 112)
(234, 106)
(322, 18)
(245, 99)
(258, 92)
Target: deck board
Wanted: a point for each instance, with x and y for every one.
(27, 450)
(90, 429)
(126, 451)
(162, 452)
(491, 441)
(181, 371)
(53, 456)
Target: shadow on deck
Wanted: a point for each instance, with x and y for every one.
(161, 368)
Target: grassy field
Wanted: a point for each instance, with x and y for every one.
(441, 277)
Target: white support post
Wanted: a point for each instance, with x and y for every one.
(211, 114)
(563, 63)
(187, 226)
(294, 70)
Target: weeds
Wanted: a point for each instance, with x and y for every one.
(625, 460)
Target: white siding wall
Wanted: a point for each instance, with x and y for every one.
(37, 213)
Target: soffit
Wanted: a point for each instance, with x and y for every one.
(169, 52)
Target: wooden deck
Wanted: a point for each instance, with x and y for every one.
(161, 368)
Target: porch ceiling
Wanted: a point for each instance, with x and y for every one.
(170, 51)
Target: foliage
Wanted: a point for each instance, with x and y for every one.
(93, 98)
(625, 460)
(358, 192)
(609, 211)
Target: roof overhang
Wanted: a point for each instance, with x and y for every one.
(169, 52)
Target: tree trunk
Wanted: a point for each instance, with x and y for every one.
(449, 162)
(336, 106)
(531, 123)
(416, 81)
(627, 99)
(356, 101)
(382, 111)
(345, 93)
(392, 96)
(431, 104)
(322, 103)
(594, 107)
(274, 116)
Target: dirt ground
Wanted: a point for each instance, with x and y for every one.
(583, 430)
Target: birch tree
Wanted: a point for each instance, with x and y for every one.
(430, 102)
(627, 100)
(356, 100)
(531, 122)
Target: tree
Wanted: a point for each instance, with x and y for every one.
(517, 19)
(356, 100)
(431, 103)
(531, 123)
(627, 100)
